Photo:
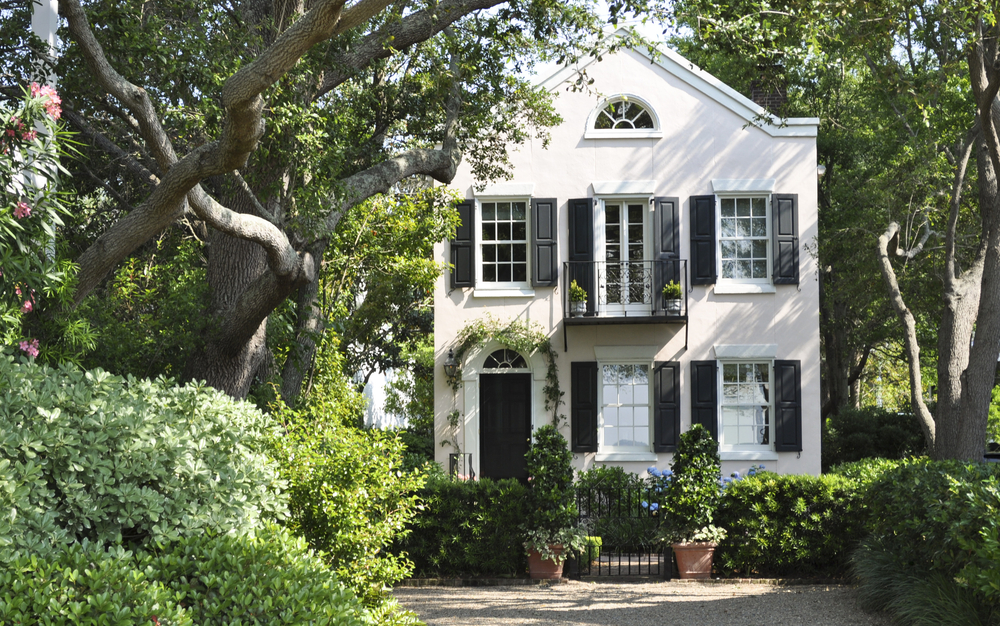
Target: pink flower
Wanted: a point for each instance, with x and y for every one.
(52, 105)
(30, 135)
(27, 307)
(30, 347)
(22, 210)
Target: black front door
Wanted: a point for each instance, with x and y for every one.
(504, 425)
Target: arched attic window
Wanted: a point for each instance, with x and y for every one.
(505, 359)
(623, 116)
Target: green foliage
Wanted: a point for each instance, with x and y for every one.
(577, 293)
(604, 493)
(348, 494)
(468, 528)
(993, 421)
(550, 474)
(789, 524)
(150, 317)
(523, 337)
(270, 578)
(937, 521)
(691, 494)
(672, 291)
(870, 432)
(411, 395)
(87, 455)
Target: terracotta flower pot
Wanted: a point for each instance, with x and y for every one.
(694, 560)
(545, 569)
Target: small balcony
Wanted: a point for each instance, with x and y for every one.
(625, 292)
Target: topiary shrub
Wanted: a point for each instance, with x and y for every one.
(690, 494)
(552, 516)
(870, 432)
(87, 455)
(468, 528)
(270, 578)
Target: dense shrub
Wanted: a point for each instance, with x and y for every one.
(469, 528)
(789, 524)
(349, 498)
(690, 491)
(611, 504)
(87, 455)
(937, 522)
(870, 432)
(268, 579)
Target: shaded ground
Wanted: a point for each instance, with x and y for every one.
(640, 604)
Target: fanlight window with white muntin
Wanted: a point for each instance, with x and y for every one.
(623, 116)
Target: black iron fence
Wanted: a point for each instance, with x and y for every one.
(626, 288)
(623, 525)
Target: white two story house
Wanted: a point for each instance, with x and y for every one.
(656, 174)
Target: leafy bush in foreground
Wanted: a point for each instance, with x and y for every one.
(936, 522)
(87, 455)
(870, 432)
(206, 581)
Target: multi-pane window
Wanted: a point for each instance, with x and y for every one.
(743, 238)
(746, 404)
(625, 406)
(505, 242)
(623, 114)
(624, 225)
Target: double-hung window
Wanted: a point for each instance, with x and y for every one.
(625, 407)
(503, 248)
(745, 406)
(743, 239)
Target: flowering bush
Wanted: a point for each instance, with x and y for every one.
(31, 144)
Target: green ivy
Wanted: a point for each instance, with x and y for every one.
(522, 337)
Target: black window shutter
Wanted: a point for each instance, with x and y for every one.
(704, 396)
(666, 405)
(666, 242)
(581, 248)
(788, 406)
(785, 238)
(703, 243)
(462, 247)
(583, 405)
(544, 253)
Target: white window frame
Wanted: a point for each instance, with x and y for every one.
(624, 453)
(600, 250)
(761, 284)
(746, 451)
(502, 289)
(622, 133)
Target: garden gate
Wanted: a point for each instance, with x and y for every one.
(623, 527)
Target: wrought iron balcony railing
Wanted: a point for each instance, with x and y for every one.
(625, 289)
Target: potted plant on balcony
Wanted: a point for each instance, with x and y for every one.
(672, 298)
(577, 299)
(690, 496)
(552, 529)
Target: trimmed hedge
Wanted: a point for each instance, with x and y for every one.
(469, 528)
(88, 455)
(870, 432)
(269, 579)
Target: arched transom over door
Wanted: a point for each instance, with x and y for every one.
(504, 415)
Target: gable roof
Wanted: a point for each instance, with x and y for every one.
(707, 84)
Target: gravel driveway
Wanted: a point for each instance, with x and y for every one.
(640, 604)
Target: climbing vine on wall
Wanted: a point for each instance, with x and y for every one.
(519, 335)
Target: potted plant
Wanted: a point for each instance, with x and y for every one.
(690, 496)
(672, 298)
(577, 299)
(552, 528)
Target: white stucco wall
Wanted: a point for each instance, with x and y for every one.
(702, 140)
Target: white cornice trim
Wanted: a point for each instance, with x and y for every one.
(624, 187)
(625, 353)
(509, 189)
(746, 351)
(742, 185)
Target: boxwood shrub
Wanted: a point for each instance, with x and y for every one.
(469, 528)
(85, 455)
(270, 578)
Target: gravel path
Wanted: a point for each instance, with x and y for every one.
(639, 604)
